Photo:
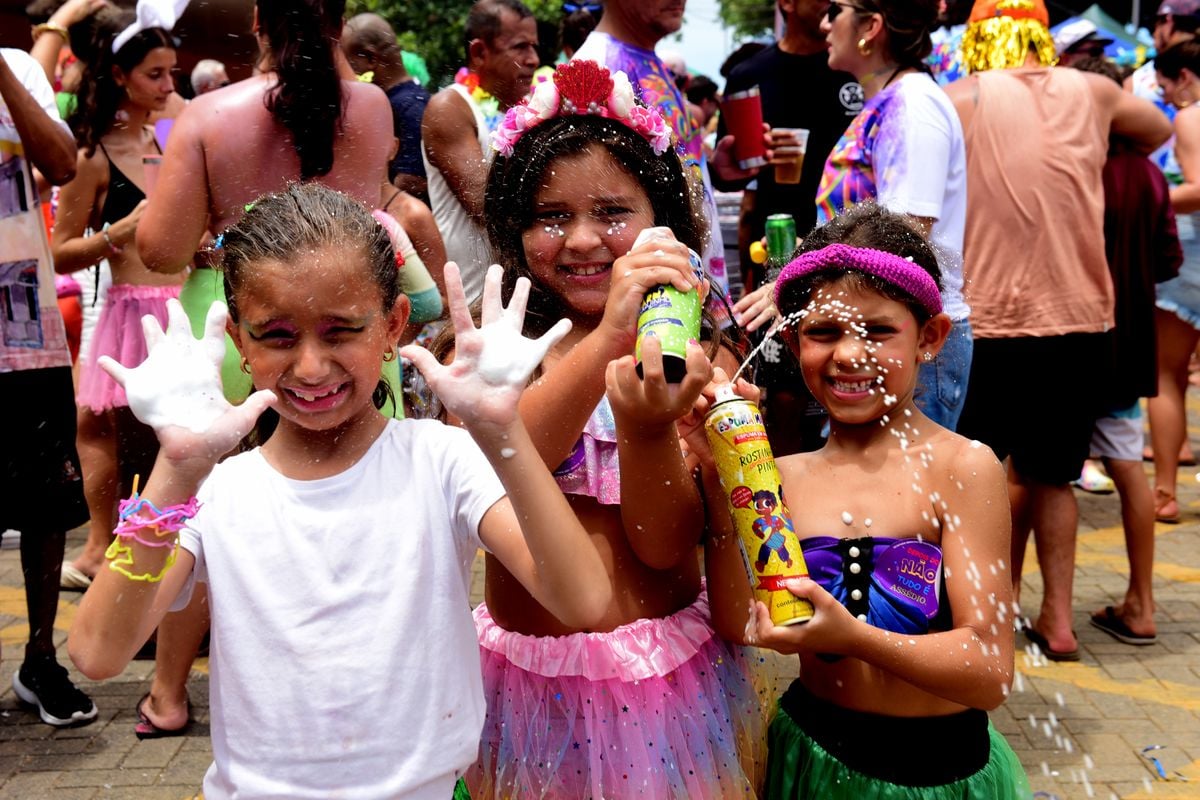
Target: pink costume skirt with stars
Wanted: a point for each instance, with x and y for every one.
(119, 336)
(658, 708)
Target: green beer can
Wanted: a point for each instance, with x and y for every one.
(781, 239)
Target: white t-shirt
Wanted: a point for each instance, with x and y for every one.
(924, 173)
(344, 658)
(32, 335)
(905, 150)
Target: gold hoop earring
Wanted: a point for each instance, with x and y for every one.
(863, 47)
(245, 365)
(390, 355)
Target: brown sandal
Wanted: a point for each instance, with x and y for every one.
(1166, 507)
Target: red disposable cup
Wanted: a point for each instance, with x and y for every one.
(743, 118)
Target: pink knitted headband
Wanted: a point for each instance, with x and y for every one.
(899, 272)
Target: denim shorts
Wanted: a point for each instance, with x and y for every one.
(1181, 294)
(942, 383)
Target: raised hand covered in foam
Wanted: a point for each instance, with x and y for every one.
(492, 363)
(178, 386)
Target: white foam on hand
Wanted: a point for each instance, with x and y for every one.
(492, 363)
(179, 383)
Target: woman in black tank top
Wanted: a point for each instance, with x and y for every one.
(97, 217)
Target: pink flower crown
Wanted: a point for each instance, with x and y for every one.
(582, 87)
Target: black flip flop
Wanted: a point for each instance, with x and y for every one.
(1052, 655)
(145, 729)
(1111, 623)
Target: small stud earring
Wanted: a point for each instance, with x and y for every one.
(927, 357)
(863, 47)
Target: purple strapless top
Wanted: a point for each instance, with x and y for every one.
(592, 467)
(894, 584)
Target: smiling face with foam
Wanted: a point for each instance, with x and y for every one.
(587, 214)
(314, 331)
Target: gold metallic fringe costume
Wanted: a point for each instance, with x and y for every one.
(1000, 35)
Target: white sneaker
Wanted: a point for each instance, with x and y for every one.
(10, 540)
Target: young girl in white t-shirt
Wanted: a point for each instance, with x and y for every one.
(337, 555)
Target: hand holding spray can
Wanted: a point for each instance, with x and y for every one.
(671, 316)
(770, 549)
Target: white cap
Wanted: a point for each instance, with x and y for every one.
(1076, 32)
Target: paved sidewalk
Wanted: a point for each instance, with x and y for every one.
(1079, 729)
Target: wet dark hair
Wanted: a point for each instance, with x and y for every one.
(1178, 57)
(99, 94)
(484, 21)
(864, 225)
(908, 24)
(514, 181)
(308, 98)
(304, 217)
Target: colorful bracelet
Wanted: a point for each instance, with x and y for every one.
(165, 521)
(112, 248)
(120, 556)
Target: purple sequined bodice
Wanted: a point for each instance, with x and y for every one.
(894, 584)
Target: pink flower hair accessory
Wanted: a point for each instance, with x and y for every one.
(582, 87)
(902, 273)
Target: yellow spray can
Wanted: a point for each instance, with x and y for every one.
(770, 550)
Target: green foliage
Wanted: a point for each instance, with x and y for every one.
(747, 18)
(434, 28)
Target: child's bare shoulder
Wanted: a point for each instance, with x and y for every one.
(966, 460)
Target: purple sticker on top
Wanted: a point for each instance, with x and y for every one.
(911, 571)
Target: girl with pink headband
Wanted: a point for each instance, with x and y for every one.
(905, 530)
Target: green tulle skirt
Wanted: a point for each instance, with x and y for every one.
(799, 768)
(205, 286)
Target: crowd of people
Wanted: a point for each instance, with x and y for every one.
(298, 348)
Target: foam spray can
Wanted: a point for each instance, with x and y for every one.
(750, 481)
(672, 316)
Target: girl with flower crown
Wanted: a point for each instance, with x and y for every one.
(588, 200)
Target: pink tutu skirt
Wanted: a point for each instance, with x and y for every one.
(659, 708)
(118, 335)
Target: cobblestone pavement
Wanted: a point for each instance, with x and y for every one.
(1080, 729)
